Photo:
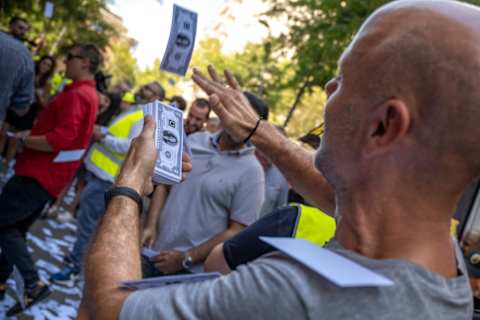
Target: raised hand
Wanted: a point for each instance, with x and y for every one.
(228, 102)
(137, 169)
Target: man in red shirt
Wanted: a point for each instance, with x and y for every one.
(65, 125)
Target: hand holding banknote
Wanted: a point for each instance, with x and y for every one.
(137, 170)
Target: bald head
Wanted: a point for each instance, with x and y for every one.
(425, 55)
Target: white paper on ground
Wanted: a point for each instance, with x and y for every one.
(340, 270)
(68, 156)
(169, 280)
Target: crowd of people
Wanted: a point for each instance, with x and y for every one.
(50, 111)
(374, 192)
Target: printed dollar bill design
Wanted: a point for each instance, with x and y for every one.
(169, 141)
(181, 41)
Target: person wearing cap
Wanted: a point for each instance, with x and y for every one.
(128, 98)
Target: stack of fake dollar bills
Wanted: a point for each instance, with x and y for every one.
(169, 141)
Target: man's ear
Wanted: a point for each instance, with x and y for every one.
(390, 123)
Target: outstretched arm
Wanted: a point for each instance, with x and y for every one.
(239, 119)
(114, 254)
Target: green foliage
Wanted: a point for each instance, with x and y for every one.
(122, 64)
(254, 68)
(317, 34)
(73, 21)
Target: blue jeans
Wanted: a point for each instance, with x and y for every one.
(92, 208)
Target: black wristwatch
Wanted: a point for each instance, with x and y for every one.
(127, 192)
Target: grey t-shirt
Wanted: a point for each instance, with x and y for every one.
(16, 76)
(222, 185)
(277, 287)
(276, 190)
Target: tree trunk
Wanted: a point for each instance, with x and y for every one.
(298, 98)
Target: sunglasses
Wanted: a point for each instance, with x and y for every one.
(71, 56)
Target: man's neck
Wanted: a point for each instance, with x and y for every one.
(84, 77)
(226, 144)
(388, 226)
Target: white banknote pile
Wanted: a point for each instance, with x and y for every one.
(181, 41)
(169, 141)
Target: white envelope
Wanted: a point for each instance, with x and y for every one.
(69, 156)
(334, 267)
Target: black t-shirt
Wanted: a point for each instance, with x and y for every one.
(246, 246)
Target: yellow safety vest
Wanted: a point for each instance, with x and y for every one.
(314, 225)
(108, 160)
(317, 227)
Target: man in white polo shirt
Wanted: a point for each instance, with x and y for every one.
(223, 194)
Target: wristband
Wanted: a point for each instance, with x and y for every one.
(253, 131)
(124, 191)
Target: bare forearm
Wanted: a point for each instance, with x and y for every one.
(296, 164)
(201, 252)
(114, 256)
(156, 205)
(216, 261)
(38, 143)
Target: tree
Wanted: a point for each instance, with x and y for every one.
(318, 32)
(72, 21)
(255, 69)
(122, 64)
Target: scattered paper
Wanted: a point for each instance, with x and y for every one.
(334, 267)
(69, 156)
(48, 12)
(169, 280)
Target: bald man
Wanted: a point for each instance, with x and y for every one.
(396, 172)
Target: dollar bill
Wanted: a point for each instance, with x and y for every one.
(181, 41)
(169, 141)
